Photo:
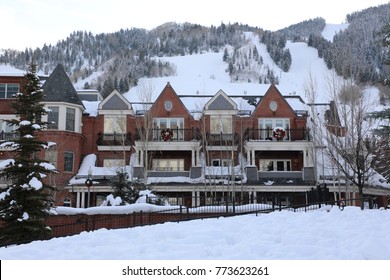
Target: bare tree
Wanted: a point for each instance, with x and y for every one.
(144, 123)
(347, 134)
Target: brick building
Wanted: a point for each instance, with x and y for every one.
(260, 152)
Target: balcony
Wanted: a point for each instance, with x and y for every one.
(166, 135)
(222, 139)
(114, 139)
(300, 134)
(8, 136)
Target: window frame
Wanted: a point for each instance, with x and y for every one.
(175, 124)
(70, 123)
(221, 124)
(6, 94)
(53, 117)
(267, 125)
(67, 161)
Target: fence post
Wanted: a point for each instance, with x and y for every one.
(140, 217)
(319, 195)
(273, 202)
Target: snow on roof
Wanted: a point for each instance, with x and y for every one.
(9, 71)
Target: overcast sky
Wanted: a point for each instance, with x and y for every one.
(31, 23)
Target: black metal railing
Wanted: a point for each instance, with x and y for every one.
(8, 136)
(297, 134)
(208, 207)
(225, 139)
(114, 139)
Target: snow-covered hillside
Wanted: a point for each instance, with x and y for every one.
(205, 74)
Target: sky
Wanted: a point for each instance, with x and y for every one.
(32, 23)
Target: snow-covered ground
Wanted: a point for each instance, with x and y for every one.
(351, 234)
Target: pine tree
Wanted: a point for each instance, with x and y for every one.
(128, 191)
(25, 201)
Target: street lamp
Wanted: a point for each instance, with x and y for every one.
(88, 184)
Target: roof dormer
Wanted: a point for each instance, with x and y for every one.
(115, 103)
(220, 103)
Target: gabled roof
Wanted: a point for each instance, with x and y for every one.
(168, 93)
(221, 101)
(272, 94)
(115, 101)
(59, 88)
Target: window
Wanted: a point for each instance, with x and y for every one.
(266, 127)
(275, 165)
(168, 164)
(51, 155)
(175, 124)
(114, 124)
(8, 132)
(68, 161)
(8, 90)
(67, 202)
(221, 124)
(113, 162)
(52, 117)
(168, 105)
(70, 119)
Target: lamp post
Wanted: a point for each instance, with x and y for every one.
(88, 184)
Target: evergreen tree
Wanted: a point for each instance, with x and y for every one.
(128, 191)
(121, 185)
(25, 201)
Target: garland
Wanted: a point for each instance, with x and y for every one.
(166, 134)
(279, 133)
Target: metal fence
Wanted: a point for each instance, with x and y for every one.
(67, 225)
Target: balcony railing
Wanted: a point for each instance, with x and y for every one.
(8, 136)
(175, 134)
(216, 139)
(114, 139)
(299, 134)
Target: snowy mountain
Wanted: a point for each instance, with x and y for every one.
(119, 60)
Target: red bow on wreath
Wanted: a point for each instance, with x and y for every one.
(279, 133)
(166, 134)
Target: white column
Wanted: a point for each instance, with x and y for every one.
(193, 152)
(78, 200)
(198, 157)
(83, 200)
(253, 158)
(141, 158)
(248, 156)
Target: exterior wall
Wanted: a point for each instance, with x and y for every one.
(90, 132)
(5, 106)
(66, 142)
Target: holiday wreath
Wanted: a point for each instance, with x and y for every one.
(166, 134)
(279, 133)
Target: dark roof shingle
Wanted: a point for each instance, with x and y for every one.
(59, 88)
